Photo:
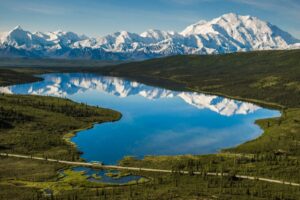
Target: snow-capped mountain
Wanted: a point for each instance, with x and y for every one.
(225, 34)
(71, 84)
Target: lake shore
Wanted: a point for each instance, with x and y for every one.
(275, 154)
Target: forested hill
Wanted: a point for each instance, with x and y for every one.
(271, 76)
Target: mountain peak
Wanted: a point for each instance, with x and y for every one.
(58, 31)
(18, 28)
(192, 28)
(226, 34)
(155, 33)
(230, 16)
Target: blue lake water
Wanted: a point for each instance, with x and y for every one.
(155, 121)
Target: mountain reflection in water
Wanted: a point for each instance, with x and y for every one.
(155, 121)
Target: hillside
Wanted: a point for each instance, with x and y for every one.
(271, 76)
(262, 77)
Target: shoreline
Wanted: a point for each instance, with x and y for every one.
(68, 136)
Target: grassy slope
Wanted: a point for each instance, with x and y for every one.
(264, 76)
(269, 78)
(9, 77)
(36, 125)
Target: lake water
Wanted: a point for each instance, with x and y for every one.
(155, 121)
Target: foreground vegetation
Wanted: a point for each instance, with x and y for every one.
(38, 126)
(269, 78)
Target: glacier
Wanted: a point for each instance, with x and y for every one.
(226, 34)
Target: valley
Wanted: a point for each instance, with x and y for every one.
(268, 78)
(150, 100)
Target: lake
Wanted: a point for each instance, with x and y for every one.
(155, 121)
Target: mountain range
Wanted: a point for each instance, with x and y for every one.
(225, 34)
(64, 85)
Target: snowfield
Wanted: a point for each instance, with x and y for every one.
(226, 34)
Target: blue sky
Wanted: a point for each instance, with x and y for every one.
(101, 17)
